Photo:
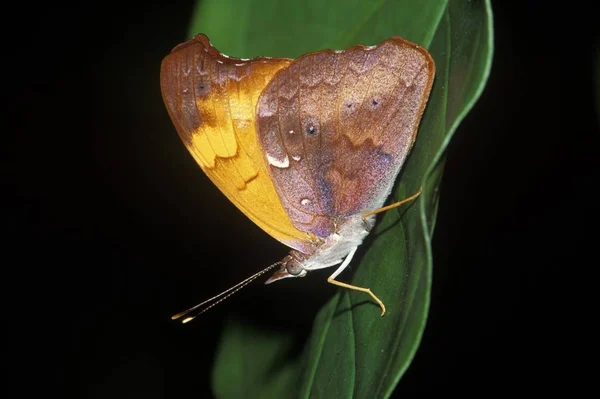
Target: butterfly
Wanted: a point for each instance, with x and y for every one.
(308, 149)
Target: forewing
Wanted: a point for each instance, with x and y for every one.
(212, 99)
(336, 126)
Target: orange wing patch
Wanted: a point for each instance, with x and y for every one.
(212, 99)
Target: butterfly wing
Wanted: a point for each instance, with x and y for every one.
(336, 127)
(211, 100)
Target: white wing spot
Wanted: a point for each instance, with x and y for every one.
(264, 113)
(296, 157)
(277, 163)
(291, 132)
(305, 201)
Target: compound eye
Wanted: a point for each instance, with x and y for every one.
(293, 267)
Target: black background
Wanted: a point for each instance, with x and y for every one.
(112, 227)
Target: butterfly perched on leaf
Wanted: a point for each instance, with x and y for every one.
(308, 149)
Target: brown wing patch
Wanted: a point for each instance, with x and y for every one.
(339, 125)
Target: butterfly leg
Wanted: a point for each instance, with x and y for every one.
(340, 269)
(394, 205)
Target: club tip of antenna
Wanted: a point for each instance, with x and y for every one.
(211, 302)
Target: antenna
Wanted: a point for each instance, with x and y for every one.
(230, 291)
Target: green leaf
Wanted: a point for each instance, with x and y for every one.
(351, 351)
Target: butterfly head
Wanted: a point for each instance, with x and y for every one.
(291, 266)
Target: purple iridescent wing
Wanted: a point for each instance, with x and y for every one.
(335, 128)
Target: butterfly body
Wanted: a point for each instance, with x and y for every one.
(328, 252)
(305, 148)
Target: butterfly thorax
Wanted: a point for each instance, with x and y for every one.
(330, 251)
